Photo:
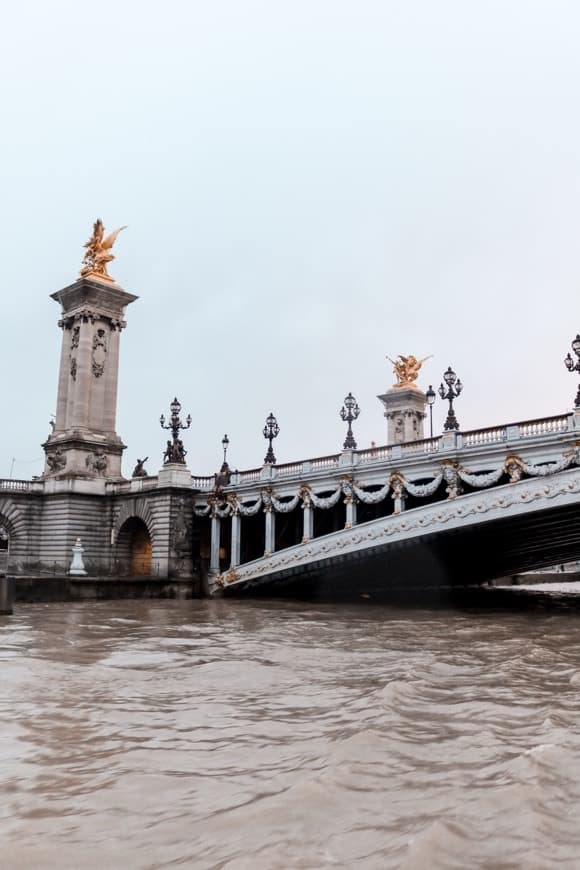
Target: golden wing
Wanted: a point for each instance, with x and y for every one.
(111, 238)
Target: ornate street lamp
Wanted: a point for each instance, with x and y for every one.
(223, 476)
(225, 445)
(454, 388)
(175, 451)
(349, 412)
(430, 397)
(574, 366)
(270, 431)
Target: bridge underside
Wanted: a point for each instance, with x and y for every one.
(462, 556)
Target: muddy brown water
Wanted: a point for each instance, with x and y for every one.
(240, 734)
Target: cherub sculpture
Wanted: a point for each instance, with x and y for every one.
(98, 252)
(406, 369)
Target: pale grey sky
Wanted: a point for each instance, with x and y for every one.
(308, 187)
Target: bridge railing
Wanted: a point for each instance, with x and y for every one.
(545, 426)
(205, 482)
(136, 484)
(481, 437)
(249, 476)
(416, 448)
(375, 454)
(16, 485)
(527, 429)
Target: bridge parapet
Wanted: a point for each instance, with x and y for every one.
(15, 485)
(478, 443)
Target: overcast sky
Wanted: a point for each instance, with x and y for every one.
(308, 186)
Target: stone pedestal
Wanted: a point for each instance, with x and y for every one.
(405, 413)
(84, 442)
(174, 474)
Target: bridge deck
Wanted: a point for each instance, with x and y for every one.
(516, 527)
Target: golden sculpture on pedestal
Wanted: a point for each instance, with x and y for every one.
(406, 369)
(98, 253)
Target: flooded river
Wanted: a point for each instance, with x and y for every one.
(248, 735)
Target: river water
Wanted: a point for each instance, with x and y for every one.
(248, 735)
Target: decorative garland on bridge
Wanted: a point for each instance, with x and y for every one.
(451, 474)
(394, 527)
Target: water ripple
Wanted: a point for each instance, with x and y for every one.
(269, 734)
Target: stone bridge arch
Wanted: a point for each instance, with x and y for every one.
(135, 539)
(13, 527)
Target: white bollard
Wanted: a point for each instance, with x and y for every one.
(77, 566)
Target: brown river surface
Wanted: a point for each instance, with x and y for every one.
(248, 735)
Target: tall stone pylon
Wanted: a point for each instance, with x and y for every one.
(84, 442)
(404, 402)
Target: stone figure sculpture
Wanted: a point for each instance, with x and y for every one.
(139, 470)
(98, 252)
(56, 461)
(406, 369)
(175, 452)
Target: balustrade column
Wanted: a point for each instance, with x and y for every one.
(270, 536)
(350, 512)
(236, 539)
(307, 522)
(214, 558)
(399, 498)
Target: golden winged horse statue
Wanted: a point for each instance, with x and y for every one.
(407, 368)
(98, 252)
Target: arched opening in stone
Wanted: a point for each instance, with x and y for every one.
(4, 542)
(134, 548)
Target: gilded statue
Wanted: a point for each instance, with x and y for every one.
(98, 253)
(406, 369)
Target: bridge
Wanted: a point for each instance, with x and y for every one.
(460, 508)
(463, 507)
(457, 508)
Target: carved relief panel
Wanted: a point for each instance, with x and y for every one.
(99, 352)
(74, 343)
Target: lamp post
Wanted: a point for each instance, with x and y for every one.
(430, 397)
(225, 445)
(574, 366)
(270, 431)
(454, 388)
(348, 413)
(175, 451)
(223, 476)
